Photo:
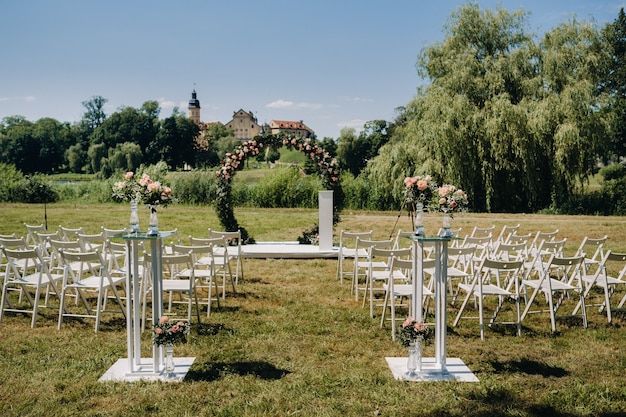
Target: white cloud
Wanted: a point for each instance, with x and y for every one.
(356, 124)
(285, 104)
(166, 104)
(28, 99)
(356, 99)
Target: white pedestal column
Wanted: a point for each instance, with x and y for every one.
(326, 220)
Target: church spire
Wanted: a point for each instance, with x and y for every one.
(194, 108)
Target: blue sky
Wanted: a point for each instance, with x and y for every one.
(332, 64)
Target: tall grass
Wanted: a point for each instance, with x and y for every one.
(293, 341)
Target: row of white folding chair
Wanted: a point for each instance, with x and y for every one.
(347, 252)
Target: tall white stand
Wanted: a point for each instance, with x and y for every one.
(134, 367)
(325, 220)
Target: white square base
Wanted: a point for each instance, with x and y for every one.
(120, 371)
(456, 370)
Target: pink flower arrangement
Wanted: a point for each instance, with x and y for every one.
(412, 329)
(143, 190)
(168, 332)
(450, 199)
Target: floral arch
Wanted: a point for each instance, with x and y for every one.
(234, 161)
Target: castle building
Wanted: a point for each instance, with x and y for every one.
(244, 125)
(289, 127)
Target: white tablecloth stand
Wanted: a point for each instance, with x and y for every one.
(134, 367)
(439, 368)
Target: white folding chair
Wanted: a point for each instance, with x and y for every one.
(92, 278)
(232, 250)
(178, 279)
(27, 270)
(609, 275)
(376, 277)
(204, 270)
(220, 259)
(489, 280)
(558, 276)
(399, 290)
(363, 268)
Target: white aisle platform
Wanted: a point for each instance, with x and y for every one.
(455, 370)
(120, 371)
(287, 250)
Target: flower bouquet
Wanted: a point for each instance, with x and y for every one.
(411, 329)
(450, 199)
(417, 192)
(166, 332)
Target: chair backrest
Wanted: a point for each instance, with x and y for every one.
(197, 252)
(543, 236)
(525, 239)
(368, 244)
(23, 261)
(483, 231)
(614, 264)
(109, 233)
(592, 248)
(567, 269)
(91, 261)
(232, 238)
(402, 239)
(204, 241)
(92, 242)
(70, 233)
(462, 257)
(482, 245)
(511, 252)
(506, 233)
(402, 253)
(348, 239)
(14, 242)
(31, 229)
(173, 264)
(55, 246)
(502, 273)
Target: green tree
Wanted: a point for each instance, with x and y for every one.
(615, 84)
(513, 122)
(94, 115)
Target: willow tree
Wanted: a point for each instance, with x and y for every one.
(491, 121)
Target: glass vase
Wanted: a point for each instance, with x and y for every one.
(446, 226)
(134, 218)
(153, 223)
(414, 362)
(169, 359)
(419, 219)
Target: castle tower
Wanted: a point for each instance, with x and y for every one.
(194, 108)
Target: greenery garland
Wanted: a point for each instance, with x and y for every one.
(328, 170)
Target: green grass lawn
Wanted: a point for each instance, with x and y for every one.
(293, 341)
